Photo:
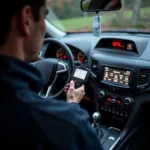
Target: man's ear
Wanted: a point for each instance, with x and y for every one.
(25, 20)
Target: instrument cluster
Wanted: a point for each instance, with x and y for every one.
(78, 55)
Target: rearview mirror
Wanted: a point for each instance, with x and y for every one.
(100, 5)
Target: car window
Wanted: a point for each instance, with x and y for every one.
(67, 16)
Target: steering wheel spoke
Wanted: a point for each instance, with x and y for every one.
(49, 90)
(61, 68)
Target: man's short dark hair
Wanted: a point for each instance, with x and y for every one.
(10, 8)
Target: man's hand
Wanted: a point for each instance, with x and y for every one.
(74, 95)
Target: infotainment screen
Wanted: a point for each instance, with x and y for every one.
(118, 76)
(80, 74)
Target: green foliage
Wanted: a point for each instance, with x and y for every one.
(130, 3)
(115, 22)
(67, 10)
(140, 24)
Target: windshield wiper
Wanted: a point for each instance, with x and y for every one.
(129, 31)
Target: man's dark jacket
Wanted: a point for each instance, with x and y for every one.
(29, 122)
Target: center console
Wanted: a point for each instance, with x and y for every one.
(111, 99)
(119, 77)
(116, 87)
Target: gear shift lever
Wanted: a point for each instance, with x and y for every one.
(96, 121)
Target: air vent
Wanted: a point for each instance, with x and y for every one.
(94, 66)
(144, 77)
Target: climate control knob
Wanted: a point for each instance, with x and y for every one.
(128, 101)
(101, 94)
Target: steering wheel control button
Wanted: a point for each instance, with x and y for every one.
(128, 101)
(101, 94)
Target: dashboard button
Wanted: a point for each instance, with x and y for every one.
(118, 101)
(101, 94)
(117, 113)
(109, 99)
(126, 115)
(109, 110)
(121, 114)
(102, 108)
(113, 100)
(113, 112)
(106, 108)
(128, 101)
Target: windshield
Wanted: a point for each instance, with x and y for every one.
(67, 16)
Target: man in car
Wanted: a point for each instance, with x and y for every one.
(27, 121)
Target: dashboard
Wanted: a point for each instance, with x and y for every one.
(121, 63)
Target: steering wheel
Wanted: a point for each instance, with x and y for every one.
(51, 68)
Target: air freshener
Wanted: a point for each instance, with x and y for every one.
(97, 25)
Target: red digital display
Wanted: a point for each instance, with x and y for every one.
(118, 44)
